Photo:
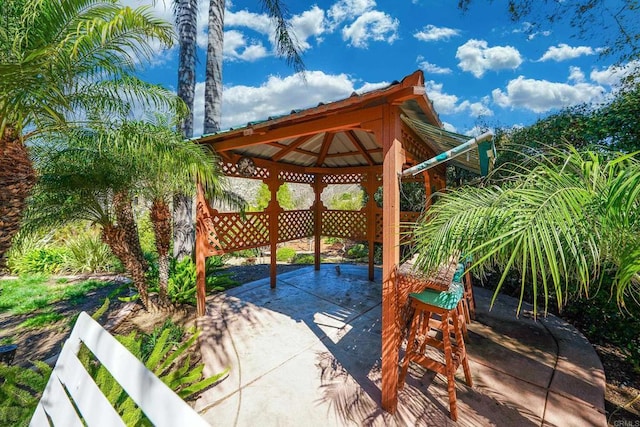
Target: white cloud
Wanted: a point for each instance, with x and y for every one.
(372, 25)
(445, 103)
(308, 24)
(236, 48)
(278, 95)
(476, 57)
(540, 96)
(613, 75)
(432, 33)
(428, 67)
(563, 52)
(347, 10)
(576, 75)
(449, 127)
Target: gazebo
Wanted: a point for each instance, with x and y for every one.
(366, 139)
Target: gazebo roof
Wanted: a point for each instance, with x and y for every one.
(332, 135)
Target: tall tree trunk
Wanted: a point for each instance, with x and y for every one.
(213, 81)
(128, 232)
(115, 237)
(186, 23)
(17, 177)
(161, 220)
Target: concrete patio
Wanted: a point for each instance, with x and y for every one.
(308, 354)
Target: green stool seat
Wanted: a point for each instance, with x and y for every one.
(447, 300)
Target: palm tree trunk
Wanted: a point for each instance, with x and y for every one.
(115, 237)
(128, 233)
(17, 177)
(161, 220)
(213, 82)
(186, 23)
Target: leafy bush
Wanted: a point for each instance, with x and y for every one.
(87, 253)
(150, 340)
(167, 359)
(147, 237)
(246, 253)
(348, 201)
(181, 287)
(46, 260)
(285, 254)
(303, 259)
(20, 391)
(357, 251)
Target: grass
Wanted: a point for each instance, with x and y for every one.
(40, 320)
(28, 294)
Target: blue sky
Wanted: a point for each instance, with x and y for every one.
(480, 68)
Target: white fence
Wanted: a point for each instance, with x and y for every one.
(72, 398)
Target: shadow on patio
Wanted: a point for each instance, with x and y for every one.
(308, 353)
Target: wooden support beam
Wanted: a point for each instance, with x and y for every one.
(318, 207)
(358, 146)
(324, 149)
(329, 123)
(289, 148)
(393, 160)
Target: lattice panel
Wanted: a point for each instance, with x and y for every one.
(235, 233)
(347, 178)
(230, 169)
(295, 225)
(348, 224)
(302, 178)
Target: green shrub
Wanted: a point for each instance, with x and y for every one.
(285, 254)
(20, 391)
(246, 253)
(87, 253)
(167, 359)
(181, 287)
(47, 260)
(359, 250)
(147, 237)
(303, 259)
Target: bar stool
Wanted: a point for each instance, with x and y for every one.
(424, 331)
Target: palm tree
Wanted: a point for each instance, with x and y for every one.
(186, 12)
(561, 221)
(286, 46)
(62, 61)
(167, 164)
(186, 22)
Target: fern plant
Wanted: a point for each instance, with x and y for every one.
(168, 361)
(20, 391)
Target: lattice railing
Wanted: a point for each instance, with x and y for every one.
(298, 177)
(347, 224)
(294, 225)
(347, 178)
(230, 169)
(236, 233)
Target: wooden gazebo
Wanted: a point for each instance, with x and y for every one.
(366, 139)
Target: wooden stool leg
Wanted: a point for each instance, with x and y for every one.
(415, 323)
(462, 350)
(448, 358)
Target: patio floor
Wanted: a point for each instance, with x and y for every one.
(308, 354)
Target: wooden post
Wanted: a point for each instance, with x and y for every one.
(318, 186)
(201, 251)
(392, 165)
(370, 188)
(274, 211)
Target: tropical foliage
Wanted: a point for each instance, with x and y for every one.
(560, 220)
(65, 61)
(95, 174)
(20, 391)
